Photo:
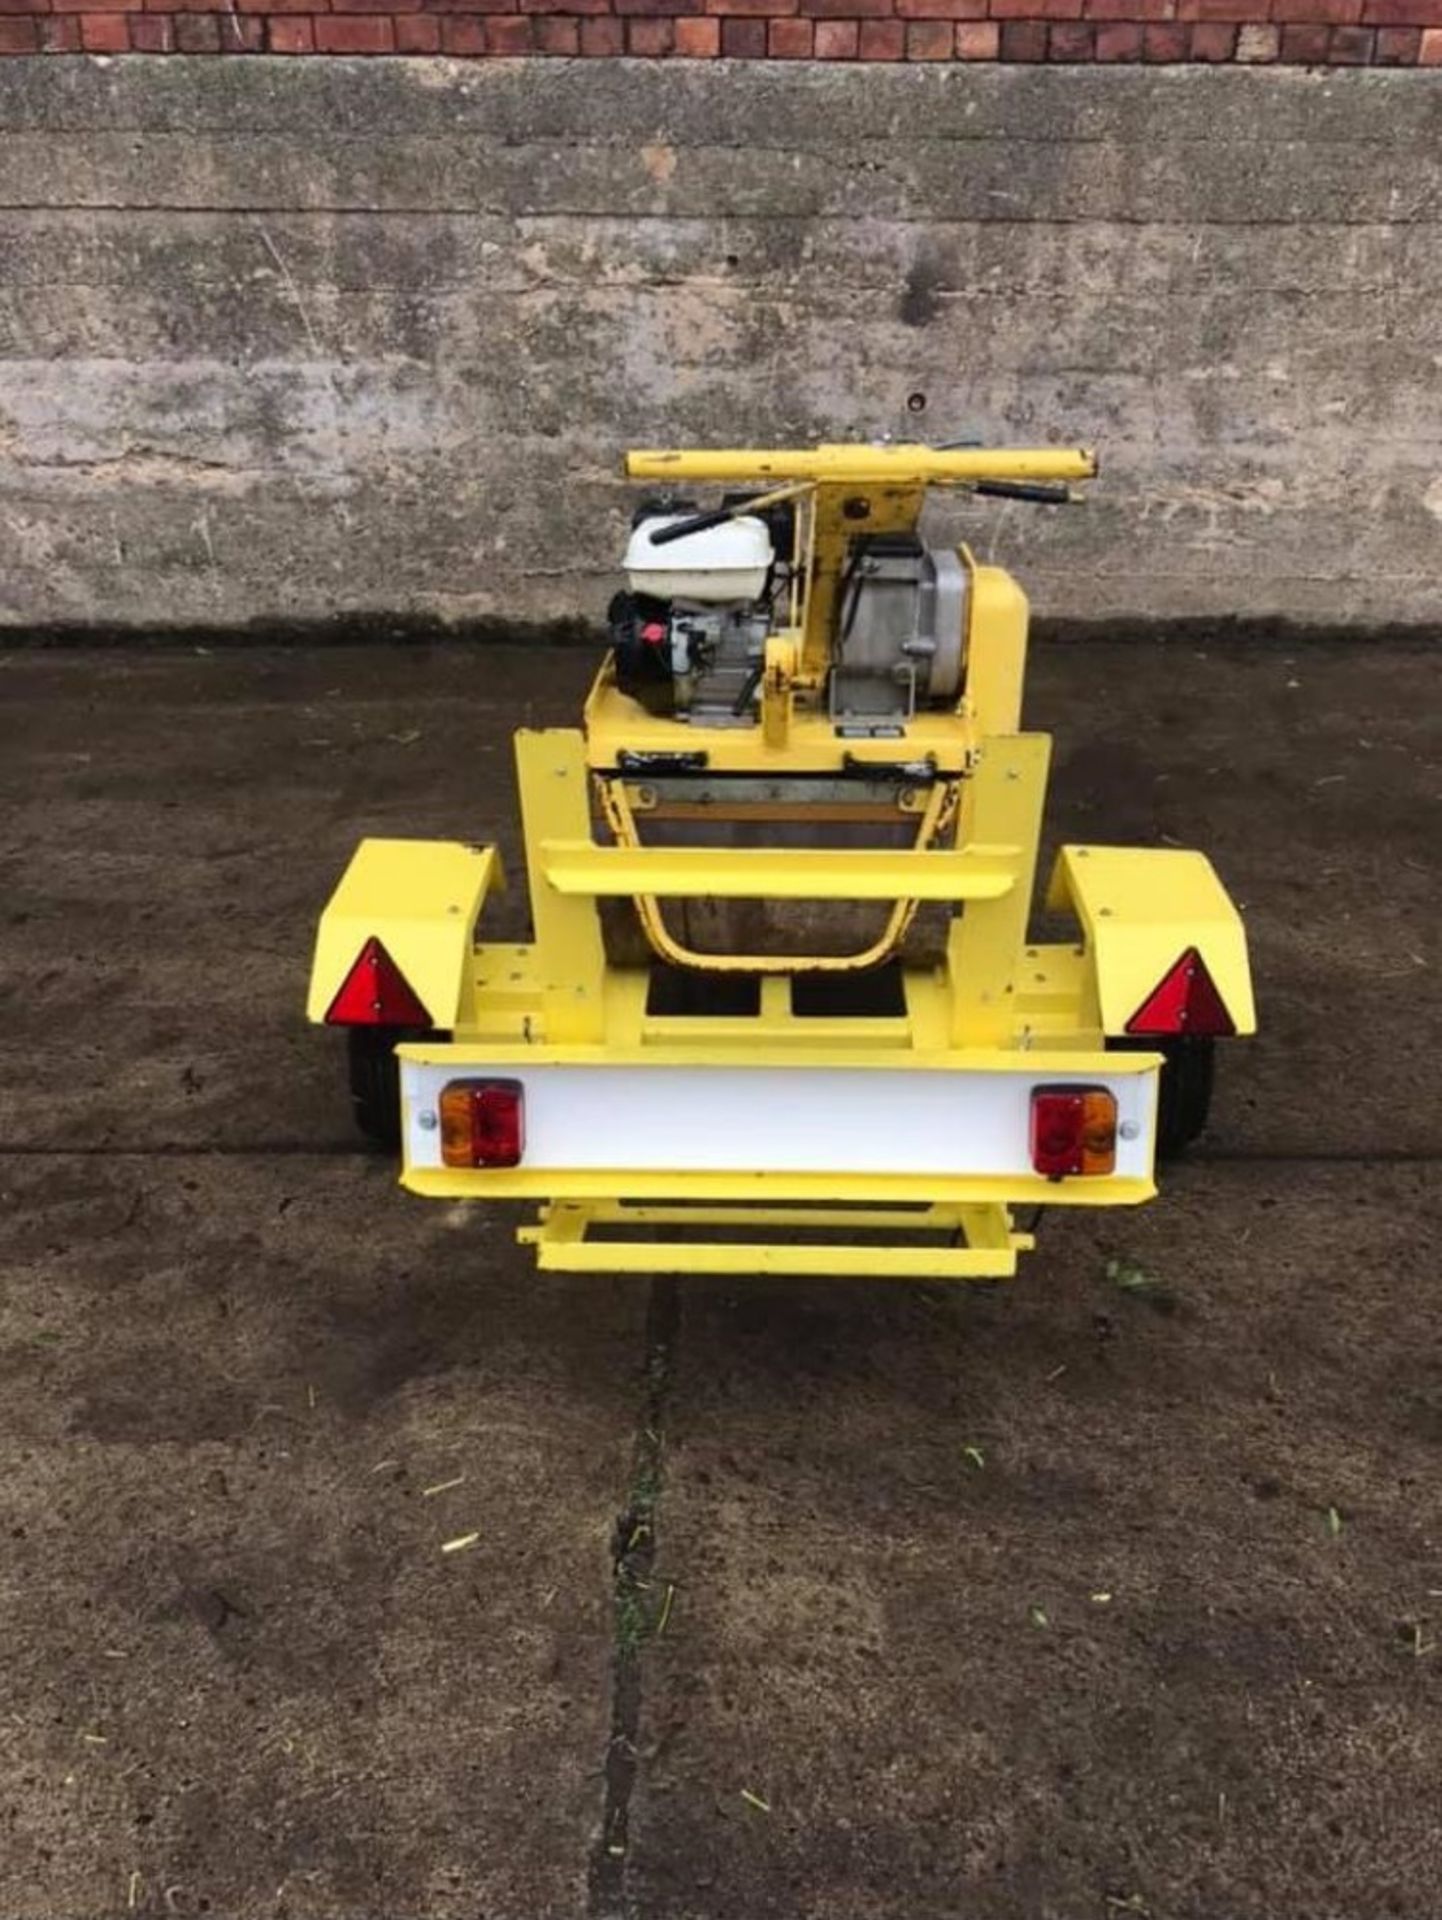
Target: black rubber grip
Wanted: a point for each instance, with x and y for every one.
(1040, 493)
(694, 523)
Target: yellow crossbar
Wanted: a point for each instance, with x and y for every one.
(863, 466)
(780, 873)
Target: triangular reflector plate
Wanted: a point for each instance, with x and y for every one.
(375, 993)
(1184, 1001)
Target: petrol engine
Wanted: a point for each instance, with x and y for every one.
(705, 589)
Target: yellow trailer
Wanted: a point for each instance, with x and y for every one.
(783, 1009)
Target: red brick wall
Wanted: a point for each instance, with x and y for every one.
(1254, 32)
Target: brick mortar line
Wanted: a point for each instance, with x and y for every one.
(1381, 14)
(958, 31)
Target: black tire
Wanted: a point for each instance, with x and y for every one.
(1186, 1088)
(375, 1082)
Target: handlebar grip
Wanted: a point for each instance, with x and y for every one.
(693, 523)
(1037, 492)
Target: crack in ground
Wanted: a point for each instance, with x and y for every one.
(639, 1606)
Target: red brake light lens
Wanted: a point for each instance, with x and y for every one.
(375, 993)
(1073, 1130)
(1185, 1000)
(483, 1123)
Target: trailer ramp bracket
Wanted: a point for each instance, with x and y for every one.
(942, 1242)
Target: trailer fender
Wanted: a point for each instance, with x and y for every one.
(420, 899)
(1141, 909)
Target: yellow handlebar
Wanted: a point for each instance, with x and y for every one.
(865, 466)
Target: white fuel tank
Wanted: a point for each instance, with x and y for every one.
(725, 563)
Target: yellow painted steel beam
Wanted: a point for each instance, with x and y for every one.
(779, 873)
(766, 1260)
(765, 1050)
(570, 958)
(756, 1189)
(910, 466)
(984, 945)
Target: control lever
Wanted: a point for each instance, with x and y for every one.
(1039, 493)
(694, 523)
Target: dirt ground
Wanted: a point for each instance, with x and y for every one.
(1057, 1599)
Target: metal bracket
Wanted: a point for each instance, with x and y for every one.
(916, 773)
(628, 761)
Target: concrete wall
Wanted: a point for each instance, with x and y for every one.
(291, 340)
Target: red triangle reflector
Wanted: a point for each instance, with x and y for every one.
(1184, 1001)
(375, 993)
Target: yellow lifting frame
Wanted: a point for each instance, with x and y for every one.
(814, 873)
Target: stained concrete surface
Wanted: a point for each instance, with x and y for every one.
(364, 336)
(1031, 1605)
(241, 1674)
(241, 1677)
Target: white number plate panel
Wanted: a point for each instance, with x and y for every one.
(779, 1119)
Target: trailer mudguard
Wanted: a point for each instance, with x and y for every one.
(1141, 909)
(420, 899)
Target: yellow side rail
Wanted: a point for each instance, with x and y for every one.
(780, 873)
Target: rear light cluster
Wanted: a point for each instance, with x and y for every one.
(1073, 1130)
(483, 1123)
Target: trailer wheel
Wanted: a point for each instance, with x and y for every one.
(375, 1081)
(1185, 1096)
